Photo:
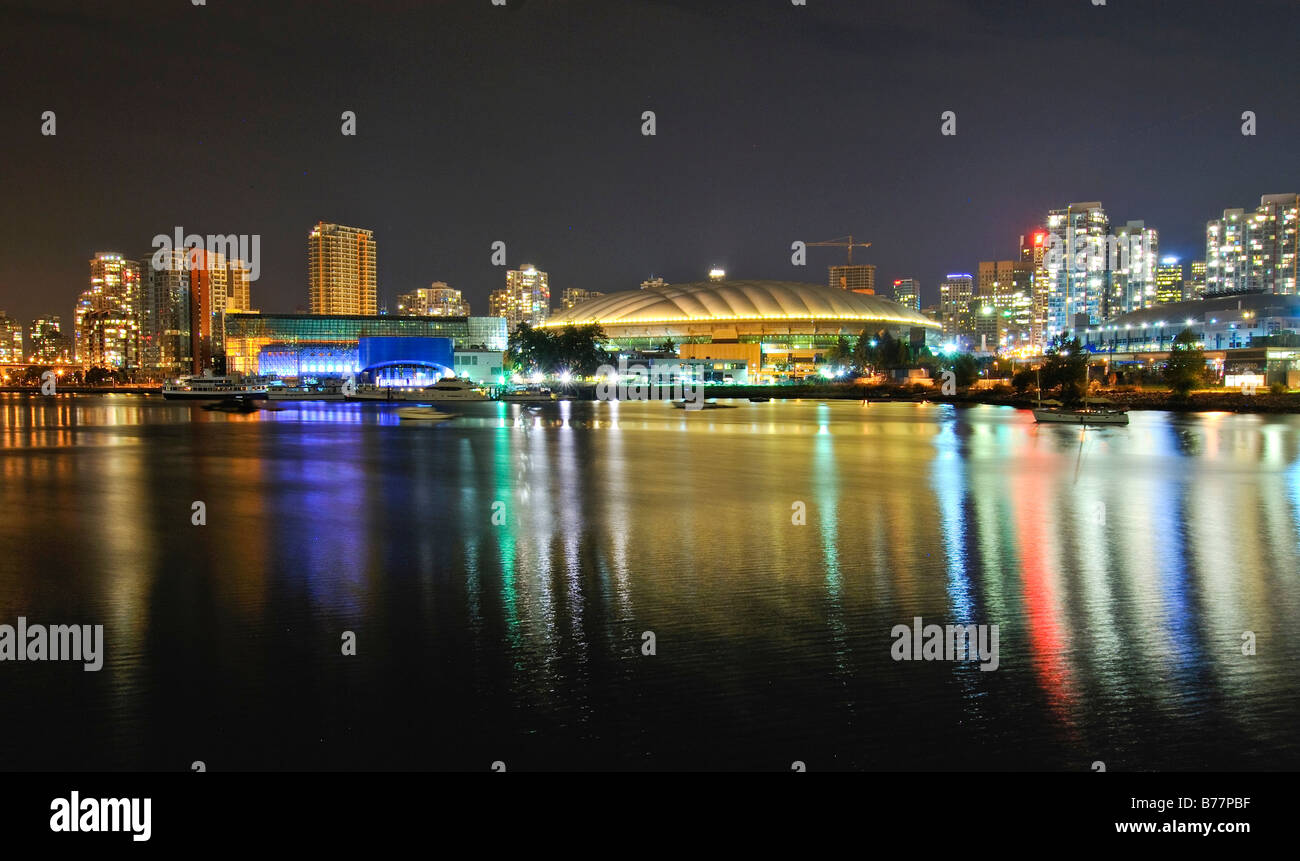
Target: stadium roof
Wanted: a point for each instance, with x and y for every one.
(708, 301)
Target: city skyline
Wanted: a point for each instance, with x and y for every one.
(284, 164)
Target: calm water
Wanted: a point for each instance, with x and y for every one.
(1122, 567)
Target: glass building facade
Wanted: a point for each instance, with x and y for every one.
(324, 340)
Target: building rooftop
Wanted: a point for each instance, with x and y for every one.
(705, 301)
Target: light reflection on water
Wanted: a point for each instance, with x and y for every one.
(1122, 566)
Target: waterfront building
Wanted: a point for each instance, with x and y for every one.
(107, 328)
(46, 343)
(1261, 326)
(436, 300)
(341, 270)
(485, 367)
(11, 339)
(325, 344)
(165, 347)
(765, 323)
(1033, 251)
(211, 277)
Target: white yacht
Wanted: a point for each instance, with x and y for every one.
(211, 388)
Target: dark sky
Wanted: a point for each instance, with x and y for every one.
(478, 123)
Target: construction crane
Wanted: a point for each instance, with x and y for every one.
(845, 242)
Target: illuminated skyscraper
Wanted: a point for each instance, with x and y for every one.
(165, 348)
(436, 300)
(1169, 281)
(341, 270)
(47, 344)
(1256, 251)
(107, 314)
(907, 292)
(1033, 250)
(526, 298)
(1075, 262)
(11, 339)
(956, 293)
(1194, 286)
(1130, 264)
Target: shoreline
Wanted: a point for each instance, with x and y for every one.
(1204, 401)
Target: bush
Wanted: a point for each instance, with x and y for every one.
(1278, 389)
(1002, 390)
(1022, 380)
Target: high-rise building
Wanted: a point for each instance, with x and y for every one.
(1075, 261)
(907, 292)
(1256, 251)
(526, 298)
(955, 295)
(436, 300)
(215, 282)
(575, 295)
(1002, 314)
(1194, 286)
(47, 344)
(107, 314)
(341, 270)
(653, 282)
(1033, 252)
(1169, 281)
(1131, 260)
(11, 339)
(860, 278)
(165, 346)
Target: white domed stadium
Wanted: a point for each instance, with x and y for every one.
(742, 311)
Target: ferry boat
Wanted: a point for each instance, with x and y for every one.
(211, 388)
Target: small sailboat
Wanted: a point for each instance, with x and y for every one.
(424, 414)
(1085, 415)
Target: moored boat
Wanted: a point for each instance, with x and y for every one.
(424, 414)
(1083, 416)
(211, 388)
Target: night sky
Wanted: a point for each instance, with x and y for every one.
(523, 124)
